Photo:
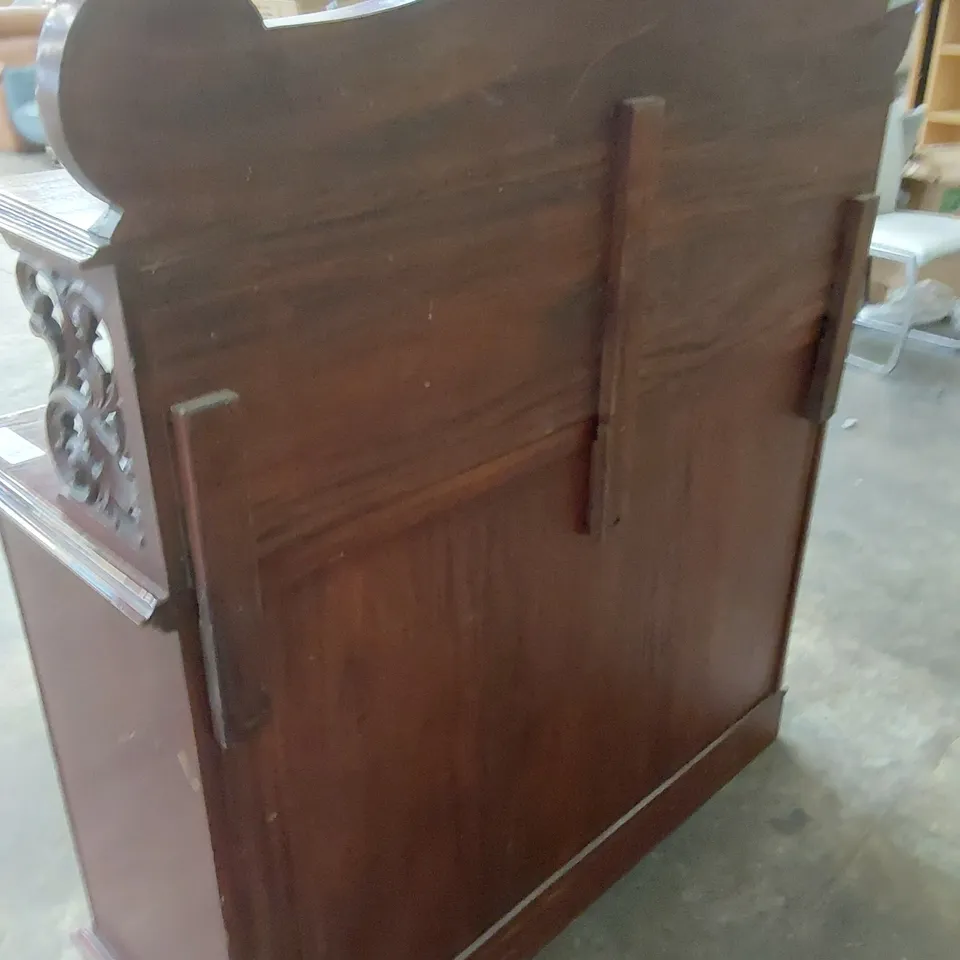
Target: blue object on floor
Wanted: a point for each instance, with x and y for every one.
(20, 90)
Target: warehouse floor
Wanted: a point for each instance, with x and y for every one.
(841, 842)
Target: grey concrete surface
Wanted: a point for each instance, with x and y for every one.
(842, 842)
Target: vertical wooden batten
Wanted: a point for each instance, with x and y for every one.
(210, 447)
(845, 297)
(636, 156)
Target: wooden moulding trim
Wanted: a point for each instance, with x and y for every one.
(46, 526)
(546, 911)
(300, 559)
(803, 536)
(21, 222)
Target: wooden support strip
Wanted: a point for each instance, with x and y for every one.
(538, 918)
(637, 146)
(844, 300)
(210, 445)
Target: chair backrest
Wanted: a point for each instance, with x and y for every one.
(903, 129)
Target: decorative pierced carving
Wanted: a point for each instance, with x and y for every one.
(84, 420)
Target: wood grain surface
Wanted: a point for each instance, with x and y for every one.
(398, 239)
(858, 216)
(637, 145)
(209, 432)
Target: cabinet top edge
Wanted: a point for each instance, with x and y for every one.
(51, 211)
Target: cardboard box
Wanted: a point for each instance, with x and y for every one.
(931, 179)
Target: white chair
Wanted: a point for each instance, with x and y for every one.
(910, 237)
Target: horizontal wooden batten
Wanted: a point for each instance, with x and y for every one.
(395, 515)
(341, 512)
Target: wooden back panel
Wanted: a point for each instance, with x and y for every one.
(166, 99)
(393, 239)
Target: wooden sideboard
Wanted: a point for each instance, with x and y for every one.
(410, 539)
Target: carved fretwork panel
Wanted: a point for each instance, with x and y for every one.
(84, 419)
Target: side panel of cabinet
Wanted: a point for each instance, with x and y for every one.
(119, 716)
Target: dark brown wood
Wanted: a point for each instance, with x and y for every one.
(54, 209)
(127, 757)
(398, 515)
(210, 438)
(406, 266)
(28, 499)
(843, 302)
(810, 497)
(86, 429)
(637, 145)
(541, 916)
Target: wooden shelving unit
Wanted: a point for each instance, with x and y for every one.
(943, 118)
(943, 77)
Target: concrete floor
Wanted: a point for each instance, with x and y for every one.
(842, 842)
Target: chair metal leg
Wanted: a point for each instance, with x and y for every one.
(882, 369)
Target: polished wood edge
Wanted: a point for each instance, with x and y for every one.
(64, 59)
(801, 539)
(91, 946)
(542, 915)
(846, 294)
(42, 522)
(355, 11)
(301, 559)
(637, 148)
(51, 56)
(210, 436)
(117, 509)
(22, 223)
